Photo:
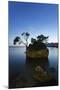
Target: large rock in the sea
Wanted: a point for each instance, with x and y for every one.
(43, 53)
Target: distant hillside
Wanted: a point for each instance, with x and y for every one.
(52, 45)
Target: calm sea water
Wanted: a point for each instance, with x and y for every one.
(19, 66)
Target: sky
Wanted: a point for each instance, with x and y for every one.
(35, 18)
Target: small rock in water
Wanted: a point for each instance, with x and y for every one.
(39, 69)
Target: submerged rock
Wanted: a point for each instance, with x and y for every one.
(39, 69)
(41, 75)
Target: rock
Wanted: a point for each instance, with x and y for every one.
(38, 54)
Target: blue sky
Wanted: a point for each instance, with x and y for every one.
(33, 18)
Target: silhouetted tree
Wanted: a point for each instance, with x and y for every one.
(33, 40)
(39, 43)
(42, 38)
(26, 36)
(16, 40)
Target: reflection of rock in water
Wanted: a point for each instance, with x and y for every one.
(44, 63)
(38, 69)
(35, 74)
(36, 65)
(31, 64)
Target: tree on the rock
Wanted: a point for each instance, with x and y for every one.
(39, 43)
(33, 40)
(41, 38)
(17, 40)
(26, 36)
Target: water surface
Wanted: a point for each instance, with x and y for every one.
(22, 68)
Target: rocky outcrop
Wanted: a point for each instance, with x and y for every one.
(43, 53)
